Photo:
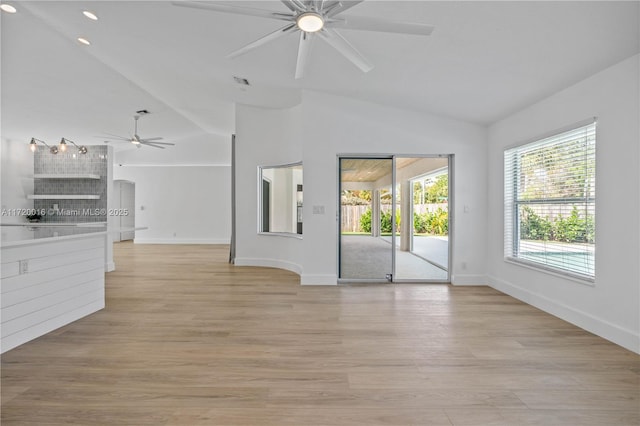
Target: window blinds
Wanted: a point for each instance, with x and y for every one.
(550, 202)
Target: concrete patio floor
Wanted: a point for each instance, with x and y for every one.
(366, 257)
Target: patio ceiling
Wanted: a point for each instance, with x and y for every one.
(370, 169)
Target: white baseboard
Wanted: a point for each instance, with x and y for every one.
(110, 266)
(180, 241)
(471, 280)
(268, 263)
(612, 332)
(319, 279)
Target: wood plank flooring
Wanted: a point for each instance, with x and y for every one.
(186, 339)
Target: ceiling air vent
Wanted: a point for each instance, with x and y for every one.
(242, 81)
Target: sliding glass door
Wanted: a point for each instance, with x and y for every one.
(365, 217)
(394, 219)
(422, 210)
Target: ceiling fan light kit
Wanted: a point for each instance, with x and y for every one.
(315, 17)
(310, 22)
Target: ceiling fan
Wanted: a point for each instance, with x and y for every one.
(137, 140)
(315, 19)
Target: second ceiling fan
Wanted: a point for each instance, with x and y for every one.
(137, 140)
(315, 18)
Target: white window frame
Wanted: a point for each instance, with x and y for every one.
(513, 201)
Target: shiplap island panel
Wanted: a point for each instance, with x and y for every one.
(49, 280)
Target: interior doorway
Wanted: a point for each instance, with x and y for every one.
(394, 218)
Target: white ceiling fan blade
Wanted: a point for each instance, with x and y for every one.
(152, 139)
(294, 5)
(338, 7)
(375, 24)
(339, 43)
(304, 49)
(227, 8)
(264, 40)
(151, 144)
(328, 6)
(147, 141)
(111, 135)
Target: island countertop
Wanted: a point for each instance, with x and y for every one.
(19, 234)
(12, 235)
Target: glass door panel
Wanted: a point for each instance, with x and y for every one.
(421, 206)
(366, 204)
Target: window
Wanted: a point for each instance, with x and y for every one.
(550, 202)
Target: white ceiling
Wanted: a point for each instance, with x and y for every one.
(484, 61)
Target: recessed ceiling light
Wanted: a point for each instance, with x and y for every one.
(90, 15)
(84, 41)
(8, 8)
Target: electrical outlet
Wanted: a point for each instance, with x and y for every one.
(318, 209)
(24, 266)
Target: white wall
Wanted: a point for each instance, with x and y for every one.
(322, 127)
(17, 178)
(198, 149)
(264, 137)
(183, 192)
(611, 307)
(181, 204)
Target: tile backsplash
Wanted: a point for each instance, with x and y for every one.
(71, 163)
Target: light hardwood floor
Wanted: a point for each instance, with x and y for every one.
(186, 339)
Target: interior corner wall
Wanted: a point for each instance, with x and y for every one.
(611, 307)
(181, 204)
(325, 126)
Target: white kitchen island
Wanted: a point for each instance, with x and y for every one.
(51, 275)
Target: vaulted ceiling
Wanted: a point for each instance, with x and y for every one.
(484, 61)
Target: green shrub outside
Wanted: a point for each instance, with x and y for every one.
(365, 221)
(436, 223)
(570, 229)
(385, 221)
